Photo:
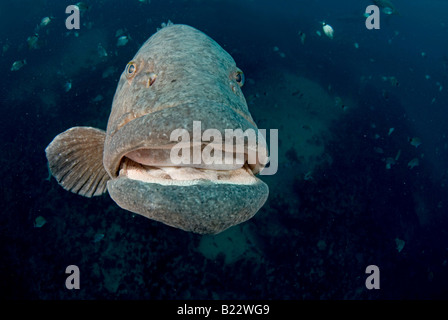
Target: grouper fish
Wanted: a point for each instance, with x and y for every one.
(178, 76)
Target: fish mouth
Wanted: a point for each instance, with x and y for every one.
(185, 175)
(200, 200)
(205, 199)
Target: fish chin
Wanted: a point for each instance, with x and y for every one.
(204, 201)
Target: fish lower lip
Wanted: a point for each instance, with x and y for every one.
(204, 206)
(191, 199)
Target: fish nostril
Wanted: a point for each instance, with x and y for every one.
(233, 87)
(151, 79)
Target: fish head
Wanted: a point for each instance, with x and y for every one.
(180, 77)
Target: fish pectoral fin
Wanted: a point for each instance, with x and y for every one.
(75, 159)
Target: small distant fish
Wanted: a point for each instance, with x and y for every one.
(390, 131)
(397, 156)
(388, 10)
(276, 49)
(415, 141)
(394, 82)
(82, 6)
(98, 98)
(386, 6)
(98, 237)
(302, 37)
(45, 21)
(71, 32)
(389, 162)
(101, 51)
(5, 47)
(67, 85)
(328, 30)
(378, 150)
(399, 244)
(338, 103)
(120, 32)
(308, 176)
(413, 163)
(17, 65)
(318, 33)
(356, 44)
(123, 40)
(39, 222)
(165, 24)
(145, 1)
(33, 41)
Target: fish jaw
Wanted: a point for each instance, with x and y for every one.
(201, 207)
(206, 202)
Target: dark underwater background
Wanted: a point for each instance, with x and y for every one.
(350, 111)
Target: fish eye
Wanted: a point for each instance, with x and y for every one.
(239, 77)
(131, 69)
